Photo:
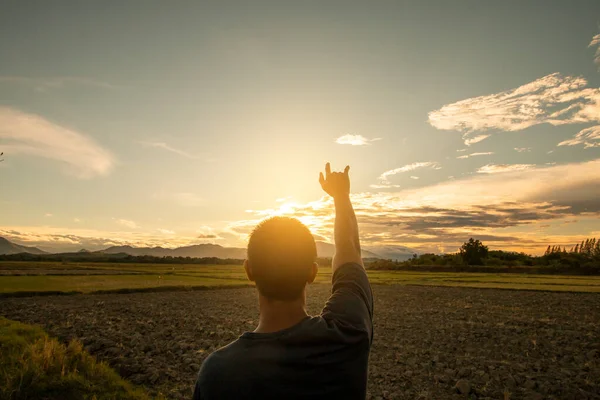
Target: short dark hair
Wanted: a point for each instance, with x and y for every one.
(281, 253)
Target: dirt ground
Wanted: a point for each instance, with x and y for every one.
(430, 342)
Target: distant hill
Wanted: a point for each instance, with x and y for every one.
(396, 253)
(325, 250)
(8, 247)
(197, 250)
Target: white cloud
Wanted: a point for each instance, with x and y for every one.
(355, 140)
(383, 186)
(207, 233)
(476, 139)
(523, 149)
(409, 167)
(552, 99)
(166, 231)
(596, 42)
(33, 135)
(589, 137)
(164, 146)
(476, 154)
(500, 168)
(414, 177)
(127, 223)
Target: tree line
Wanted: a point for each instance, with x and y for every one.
(584, 257)
(118, 258)
(589, 247)
(126, 258)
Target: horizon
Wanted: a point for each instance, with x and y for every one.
(187, 125)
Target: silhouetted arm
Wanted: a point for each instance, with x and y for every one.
(347, 242)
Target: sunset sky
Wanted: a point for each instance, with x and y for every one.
(174, 123)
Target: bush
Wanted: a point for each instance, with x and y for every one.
(34, 366)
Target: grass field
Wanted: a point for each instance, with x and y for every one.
(92, 277)
(35, 366)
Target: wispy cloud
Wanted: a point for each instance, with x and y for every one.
(500, 168)
(414, 177)
(207, 236)
(589, 137)
(164, 146)
(476, 154)
(476, 139)
(126, 223)
(596, 42)
(552, 99)
(166, 231)
(383, 186)
(31, 134)
(48, 215)
(42, 84)
(355, 140)
(206, 233)
(409, 167)
(523, 149)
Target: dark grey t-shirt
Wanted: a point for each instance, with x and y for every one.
(321, 357)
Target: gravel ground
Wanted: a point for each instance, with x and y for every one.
(430, 342)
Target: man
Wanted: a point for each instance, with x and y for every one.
(291, 355)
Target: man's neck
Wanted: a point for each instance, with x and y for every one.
(279, 315)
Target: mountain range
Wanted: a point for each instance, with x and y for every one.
(325, 250)
(8, 247)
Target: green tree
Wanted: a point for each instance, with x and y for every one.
(473, 252)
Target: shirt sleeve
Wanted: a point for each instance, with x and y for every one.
(351, 301)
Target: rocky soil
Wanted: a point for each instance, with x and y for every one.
(430, 343)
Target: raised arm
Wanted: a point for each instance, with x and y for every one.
(347, 243)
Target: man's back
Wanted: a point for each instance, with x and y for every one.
(321, 357)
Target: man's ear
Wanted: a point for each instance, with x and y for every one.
(313, 273)
(248, 270)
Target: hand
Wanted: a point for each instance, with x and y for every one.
(335, 184)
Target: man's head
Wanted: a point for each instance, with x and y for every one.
(281, 258)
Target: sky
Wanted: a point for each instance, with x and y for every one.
(155, 123)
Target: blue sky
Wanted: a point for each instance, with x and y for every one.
(155, 123)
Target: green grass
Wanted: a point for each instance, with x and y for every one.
(86, 284)
(138, 276)
(489, 280)
(34, 366)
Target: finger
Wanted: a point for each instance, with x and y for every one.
(346, 170)
(321, 178)
(327, 170)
